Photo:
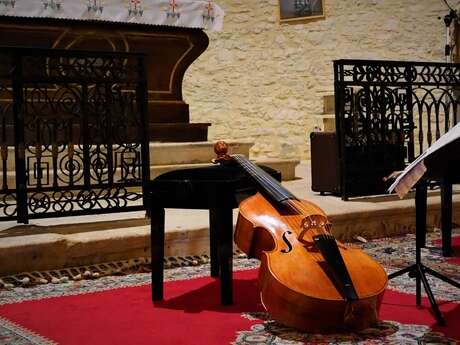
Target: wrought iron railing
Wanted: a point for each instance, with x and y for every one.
(73, 133)
(387, 112)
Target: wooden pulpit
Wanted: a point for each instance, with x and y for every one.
(168, 50)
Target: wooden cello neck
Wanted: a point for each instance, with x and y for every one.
(269, 186)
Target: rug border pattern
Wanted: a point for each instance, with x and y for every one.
(25, 333)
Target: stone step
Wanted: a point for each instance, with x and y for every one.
(171, 156)
(160, 132)
(165, 153)
(326, 122)
(75, 241)
(329, 104)
(285, 166)
(178, 132)
(192, 152)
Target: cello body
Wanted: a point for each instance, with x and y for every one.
(307, 279)
(294, 283)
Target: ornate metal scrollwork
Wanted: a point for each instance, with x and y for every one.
(83, 135)
(388, 112)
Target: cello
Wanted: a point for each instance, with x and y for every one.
(307, 280)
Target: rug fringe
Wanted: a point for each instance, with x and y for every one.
(94, 271)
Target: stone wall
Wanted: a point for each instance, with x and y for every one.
(264, 81)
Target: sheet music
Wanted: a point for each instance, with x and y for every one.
(416, 169)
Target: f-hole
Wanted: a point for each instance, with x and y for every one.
(289, 245)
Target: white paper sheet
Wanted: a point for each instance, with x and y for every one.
(416, 169)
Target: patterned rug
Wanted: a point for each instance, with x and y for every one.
(403, 322)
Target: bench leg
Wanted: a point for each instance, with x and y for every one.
(223, 225)
(214, 241)
(157, 245)
(446, 218)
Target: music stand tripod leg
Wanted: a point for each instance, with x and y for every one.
(421, 213)
(401, 272)
(421, 201)
(413, 273)
(418, 288)
(434, 305)
(442, 277)
(418, 270)
(420, 237)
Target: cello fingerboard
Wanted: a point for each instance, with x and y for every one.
(271, 187)
(330, 252)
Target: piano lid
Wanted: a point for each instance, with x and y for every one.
(182, 13)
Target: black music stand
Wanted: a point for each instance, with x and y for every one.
(440, 166)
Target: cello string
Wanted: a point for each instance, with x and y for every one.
(293, 224)
(272, 186)
(269, 181)
(266, 183)
(297, 205)
(278, 191)
(304, 210)
(254, 172)
(266, 178)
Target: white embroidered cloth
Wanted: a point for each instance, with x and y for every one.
(183, 13)
(417, 168)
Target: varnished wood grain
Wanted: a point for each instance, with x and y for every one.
(294, 285)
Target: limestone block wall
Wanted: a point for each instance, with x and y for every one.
(264, 81)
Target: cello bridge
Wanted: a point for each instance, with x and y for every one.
(312, 225)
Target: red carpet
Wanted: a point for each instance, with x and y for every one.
(190, 314)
